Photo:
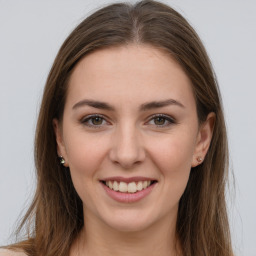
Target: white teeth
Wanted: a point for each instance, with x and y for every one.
(139, 186)
(123, 187)
(115, 186)
(144, 184)
(131, 187)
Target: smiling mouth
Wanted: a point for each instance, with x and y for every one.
(131, 187)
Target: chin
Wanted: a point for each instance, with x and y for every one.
(129, 222)
(128, 227)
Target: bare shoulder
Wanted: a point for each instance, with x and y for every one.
(6, 252)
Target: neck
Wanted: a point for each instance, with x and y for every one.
(98, 239)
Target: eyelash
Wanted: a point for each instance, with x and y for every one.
(89, 118)
(167, 118)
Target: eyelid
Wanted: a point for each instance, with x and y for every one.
(84, 120)
(170, 119)
(87, 118)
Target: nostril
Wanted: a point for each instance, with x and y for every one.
(126, 153)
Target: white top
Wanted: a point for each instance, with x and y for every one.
(5, 252)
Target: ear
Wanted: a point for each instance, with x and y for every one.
(61, 150)
(204, 138)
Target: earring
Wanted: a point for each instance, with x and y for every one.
(199, 159)
(62, 160)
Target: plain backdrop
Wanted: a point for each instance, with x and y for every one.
(31, 33)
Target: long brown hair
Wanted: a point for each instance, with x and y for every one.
(56, 215)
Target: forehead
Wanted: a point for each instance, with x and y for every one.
(122, 73)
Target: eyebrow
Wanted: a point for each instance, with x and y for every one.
(160, 104)
(94, 104)
(143, 107)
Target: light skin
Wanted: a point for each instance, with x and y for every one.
(146, 126)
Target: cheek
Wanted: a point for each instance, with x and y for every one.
(173, 152)
(173, 157)
(85, 156)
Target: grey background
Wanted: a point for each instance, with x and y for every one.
(31, 33)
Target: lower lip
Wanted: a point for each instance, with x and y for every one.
(128, 197)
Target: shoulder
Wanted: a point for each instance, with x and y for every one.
(6, 252)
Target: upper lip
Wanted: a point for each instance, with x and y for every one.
(128, 180)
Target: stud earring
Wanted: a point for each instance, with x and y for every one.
(199, 159)
(62, 160)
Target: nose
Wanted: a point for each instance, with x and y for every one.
(127, 148)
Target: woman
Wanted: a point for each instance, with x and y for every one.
(131, 149)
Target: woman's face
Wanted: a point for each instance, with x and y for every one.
(130, 136)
